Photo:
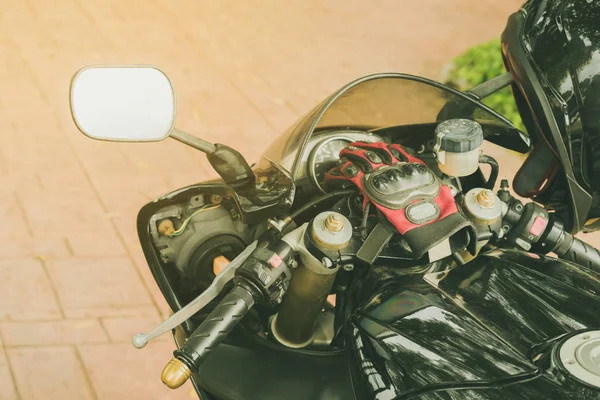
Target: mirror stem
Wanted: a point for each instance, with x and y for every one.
(193, 141)
(228, 163)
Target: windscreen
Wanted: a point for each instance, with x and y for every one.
(390, 100)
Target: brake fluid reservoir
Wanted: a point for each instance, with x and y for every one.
(457, 144)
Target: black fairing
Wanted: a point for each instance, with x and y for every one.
(247, 367)
(552, 48)
(485, 330)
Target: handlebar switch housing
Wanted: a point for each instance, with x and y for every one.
(269, 273)
(531, 225)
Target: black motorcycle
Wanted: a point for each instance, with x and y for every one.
(370, 256)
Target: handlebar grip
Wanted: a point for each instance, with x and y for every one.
(573, 249)
(211, 332)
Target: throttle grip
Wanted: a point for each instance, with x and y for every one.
(570, 248)
(533, 225)
(211, 332)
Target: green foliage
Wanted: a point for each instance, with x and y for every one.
(479, 64)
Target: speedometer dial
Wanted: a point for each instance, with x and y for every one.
(324, 157)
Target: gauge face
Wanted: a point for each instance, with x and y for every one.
(324, 157)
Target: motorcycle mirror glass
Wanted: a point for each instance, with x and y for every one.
(123, 103)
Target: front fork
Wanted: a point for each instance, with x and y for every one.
(264, 278)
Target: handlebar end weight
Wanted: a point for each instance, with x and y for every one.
(211, 332)
(175, 373)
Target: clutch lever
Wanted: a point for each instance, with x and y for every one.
(140, 340)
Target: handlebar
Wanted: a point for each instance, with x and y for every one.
(532, 226)
(211, 332)
(574, 249)
(262, 278)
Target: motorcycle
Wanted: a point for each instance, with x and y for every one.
(442, 286)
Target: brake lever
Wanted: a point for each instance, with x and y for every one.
(140, 340)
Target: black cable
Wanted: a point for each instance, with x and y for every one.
(491, 161)
(363, 222)
(318, 200)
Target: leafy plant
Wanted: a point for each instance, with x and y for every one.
(479, 64)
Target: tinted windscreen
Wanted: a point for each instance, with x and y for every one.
(388, 100)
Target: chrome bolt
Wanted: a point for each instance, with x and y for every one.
(334, 222)
(348, 267)
(327, 263)
(486, 198)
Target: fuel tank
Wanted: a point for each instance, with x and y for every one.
(508, 325)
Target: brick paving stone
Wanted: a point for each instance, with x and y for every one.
(86, 244)
(68, 210)
(14, 219)
(7, 384)
(119, 371)
(38, 248)
(114, 310)
(49, 373)
(27, 293)
(53, 332)
(98, 286)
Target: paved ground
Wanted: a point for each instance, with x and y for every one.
(73, 280)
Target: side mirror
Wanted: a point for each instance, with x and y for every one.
(137, 104)
(123, 103)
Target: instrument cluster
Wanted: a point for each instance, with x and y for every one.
(324, 149)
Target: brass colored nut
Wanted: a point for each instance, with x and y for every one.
(216, 199)
(175, 373)
(165, 227)
(486, 198)
(334, 222)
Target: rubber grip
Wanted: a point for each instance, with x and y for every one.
(215, 328)
(576, 250)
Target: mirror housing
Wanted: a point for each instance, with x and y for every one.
(123, 103)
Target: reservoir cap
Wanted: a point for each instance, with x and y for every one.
(459, 135)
